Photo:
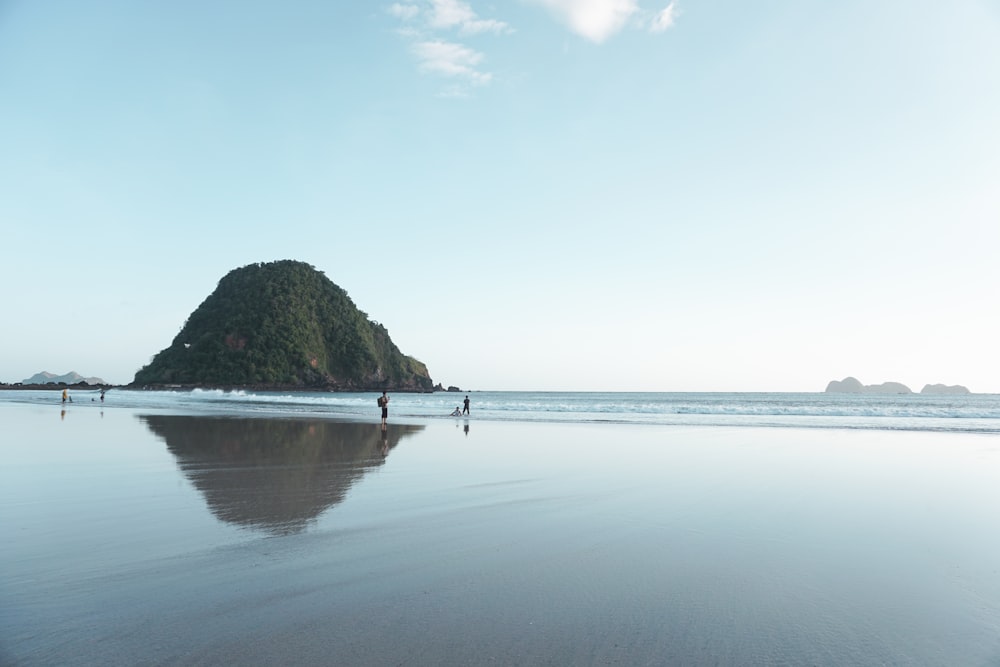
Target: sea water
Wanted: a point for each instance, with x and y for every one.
(918, 412)
(212, 527)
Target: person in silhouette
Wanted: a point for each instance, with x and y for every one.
(384, 402)
(102, 394)
(465, 409)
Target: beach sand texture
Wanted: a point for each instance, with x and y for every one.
(166, 539)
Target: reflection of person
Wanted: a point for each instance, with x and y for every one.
(466, 429)
(65, 395)
(457, 412)
(385, 441)
(465, 410)
(385, 407)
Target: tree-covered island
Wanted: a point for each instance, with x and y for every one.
(283, 325)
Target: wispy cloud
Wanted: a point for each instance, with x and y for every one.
(597, 20)
(445, 14)
(433, 28)
(403, 12)
(428, 24)
(451, 60)
(664, 19)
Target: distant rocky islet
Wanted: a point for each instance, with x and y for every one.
(851, 385)
(68, 378)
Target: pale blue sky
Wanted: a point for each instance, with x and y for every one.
(705, 195)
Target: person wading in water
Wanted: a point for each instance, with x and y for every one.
(383, 402)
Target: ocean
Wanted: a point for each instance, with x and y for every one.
(917, 412)
(219, 528)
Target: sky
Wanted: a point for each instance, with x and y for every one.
(591, 195)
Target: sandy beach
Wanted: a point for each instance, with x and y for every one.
(172, 539)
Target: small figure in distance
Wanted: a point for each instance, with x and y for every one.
(65, 394)
(102, 394)
(384, 403)
(457, 412)
(465, 410)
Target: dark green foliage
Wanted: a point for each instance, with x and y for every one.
(283, 324)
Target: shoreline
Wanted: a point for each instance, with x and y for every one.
(973, 413)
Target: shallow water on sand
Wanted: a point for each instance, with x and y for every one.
(182, 539)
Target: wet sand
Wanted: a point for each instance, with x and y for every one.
(181, 540)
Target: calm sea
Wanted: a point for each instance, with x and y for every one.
(916, 412)
(241, 528)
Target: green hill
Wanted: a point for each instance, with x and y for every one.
(283, 324)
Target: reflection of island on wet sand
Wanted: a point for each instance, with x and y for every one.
(275, 475)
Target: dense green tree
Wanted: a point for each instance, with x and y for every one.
(283, 324)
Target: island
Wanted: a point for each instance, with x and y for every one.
(954, 389)
(282, 325)
(851, 385)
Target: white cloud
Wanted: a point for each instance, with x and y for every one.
(447, 14)
(664, 19)
(426, 22)
(424, 25)
(405, 12)
(409, 32)
(486, 25)
(595, 20)
(451, 60)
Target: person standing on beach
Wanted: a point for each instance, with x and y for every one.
(384, 402)
(65, 394)
(465, 410)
